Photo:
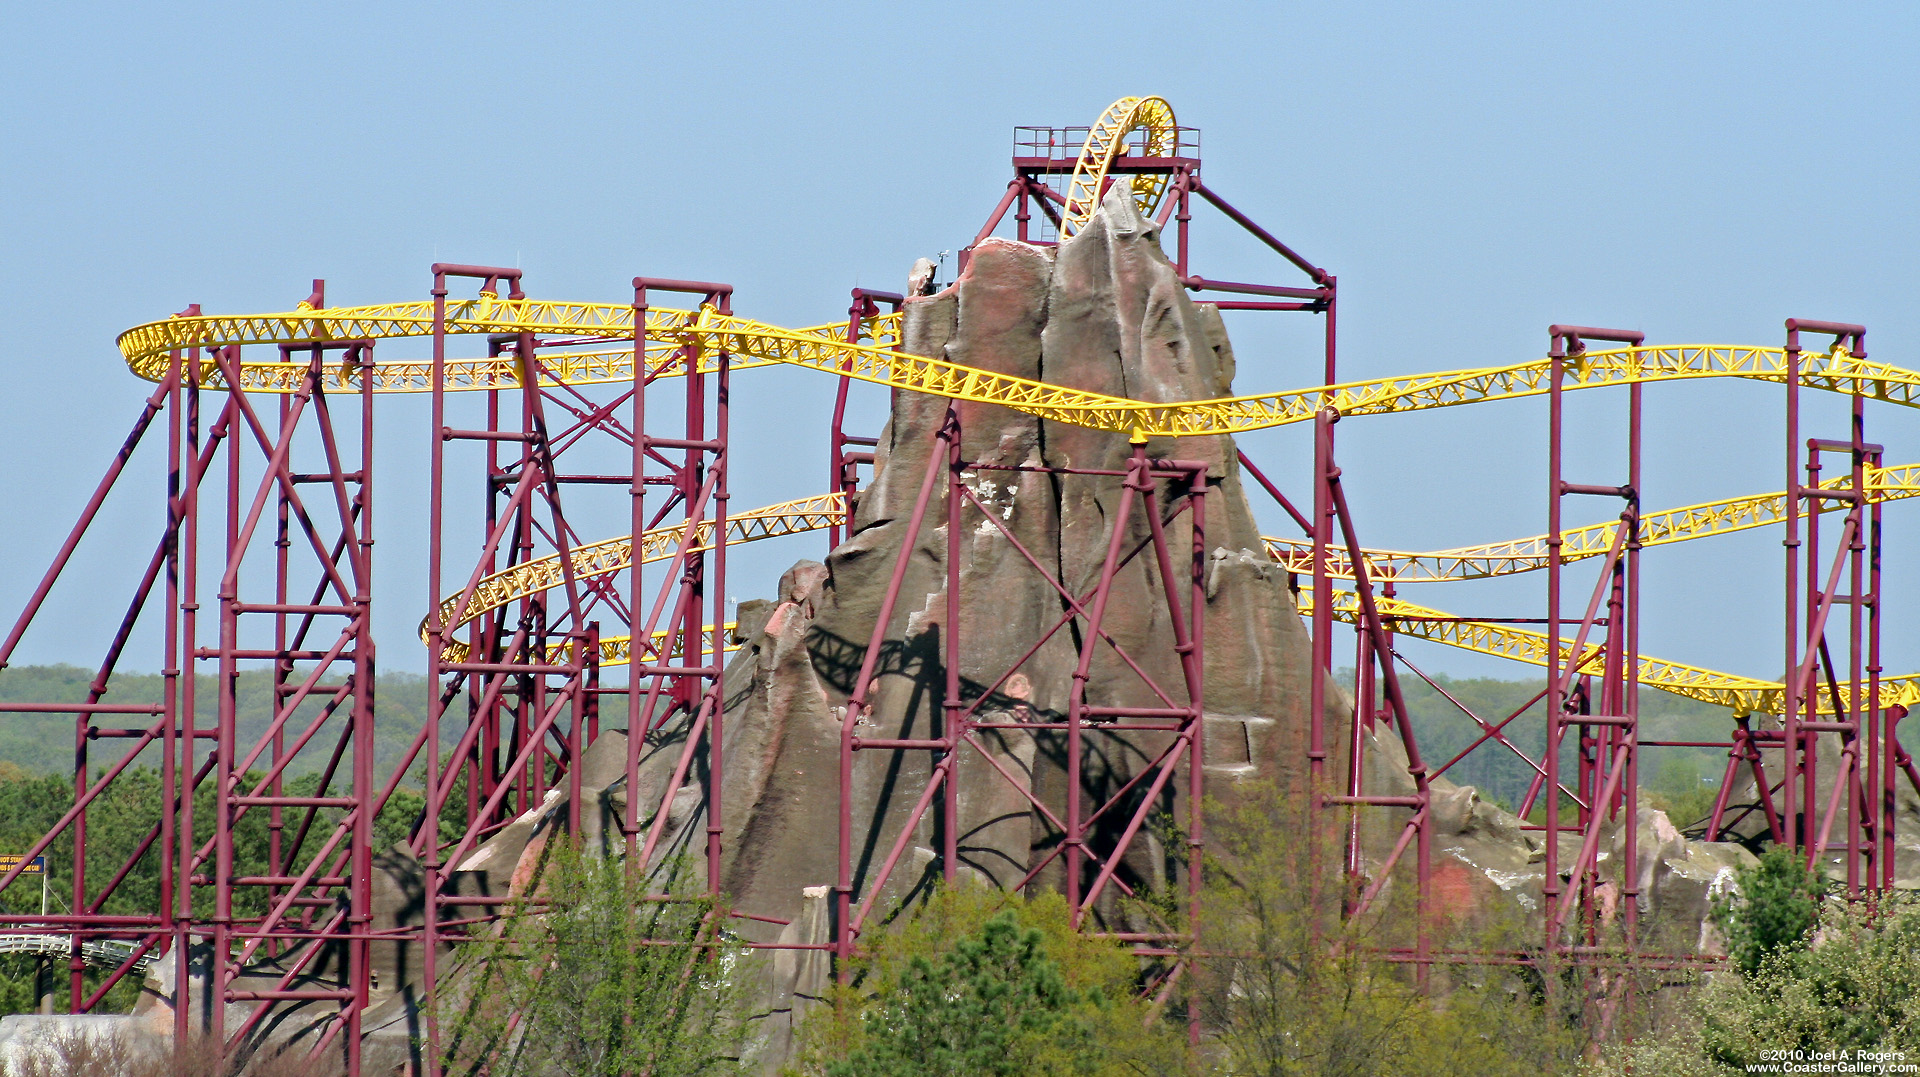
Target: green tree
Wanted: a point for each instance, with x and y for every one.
(1772, 908)
(595, 976)
(120, 825)
(991, 1004)
(1852, 984)
(979, 981)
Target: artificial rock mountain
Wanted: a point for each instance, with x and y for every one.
(1104, 311)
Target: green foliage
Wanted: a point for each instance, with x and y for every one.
(1858, 988)
(1854, 986)
(119, 823)
(37, 789)
(594, 976)
(1773, 908)
(994, 1002)
(1297, 988)
(977, 981)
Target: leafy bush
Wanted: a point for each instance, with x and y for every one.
(1772, 908)
(981, 982)
(597, 976)
(1851, 984)
(990, 1000)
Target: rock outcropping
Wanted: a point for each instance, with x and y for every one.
(1105, 313)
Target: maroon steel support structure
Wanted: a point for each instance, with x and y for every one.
(531, 671)
(843, 467)
(684, 676)
(1377, 665)
(1833, 674)
(517, 687)
(1044, 159)
(280, 485)
(287, 491)
(1608, 727)
(1155, 497)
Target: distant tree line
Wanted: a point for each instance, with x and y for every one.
(1671, 778)
(43, 743)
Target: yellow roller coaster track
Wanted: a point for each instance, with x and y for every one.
(614, 650)
(1742, 695)
(1465, 563)
(1745, 695)
(608, 556)
(1528, 554)
(587, 352)
(1105, 139)
(148, 346)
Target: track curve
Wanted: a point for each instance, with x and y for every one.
(608, 556)
(676, 339)
(1744, 695)
(1529, 554)
(1105, 140)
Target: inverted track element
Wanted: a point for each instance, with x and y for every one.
(1105, 141)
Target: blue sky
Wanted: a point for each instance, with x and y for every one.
(1471, 172)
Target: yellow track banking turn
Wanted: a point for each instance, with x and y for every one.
(147, 349)
(1528, 554)
(1745, 695)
